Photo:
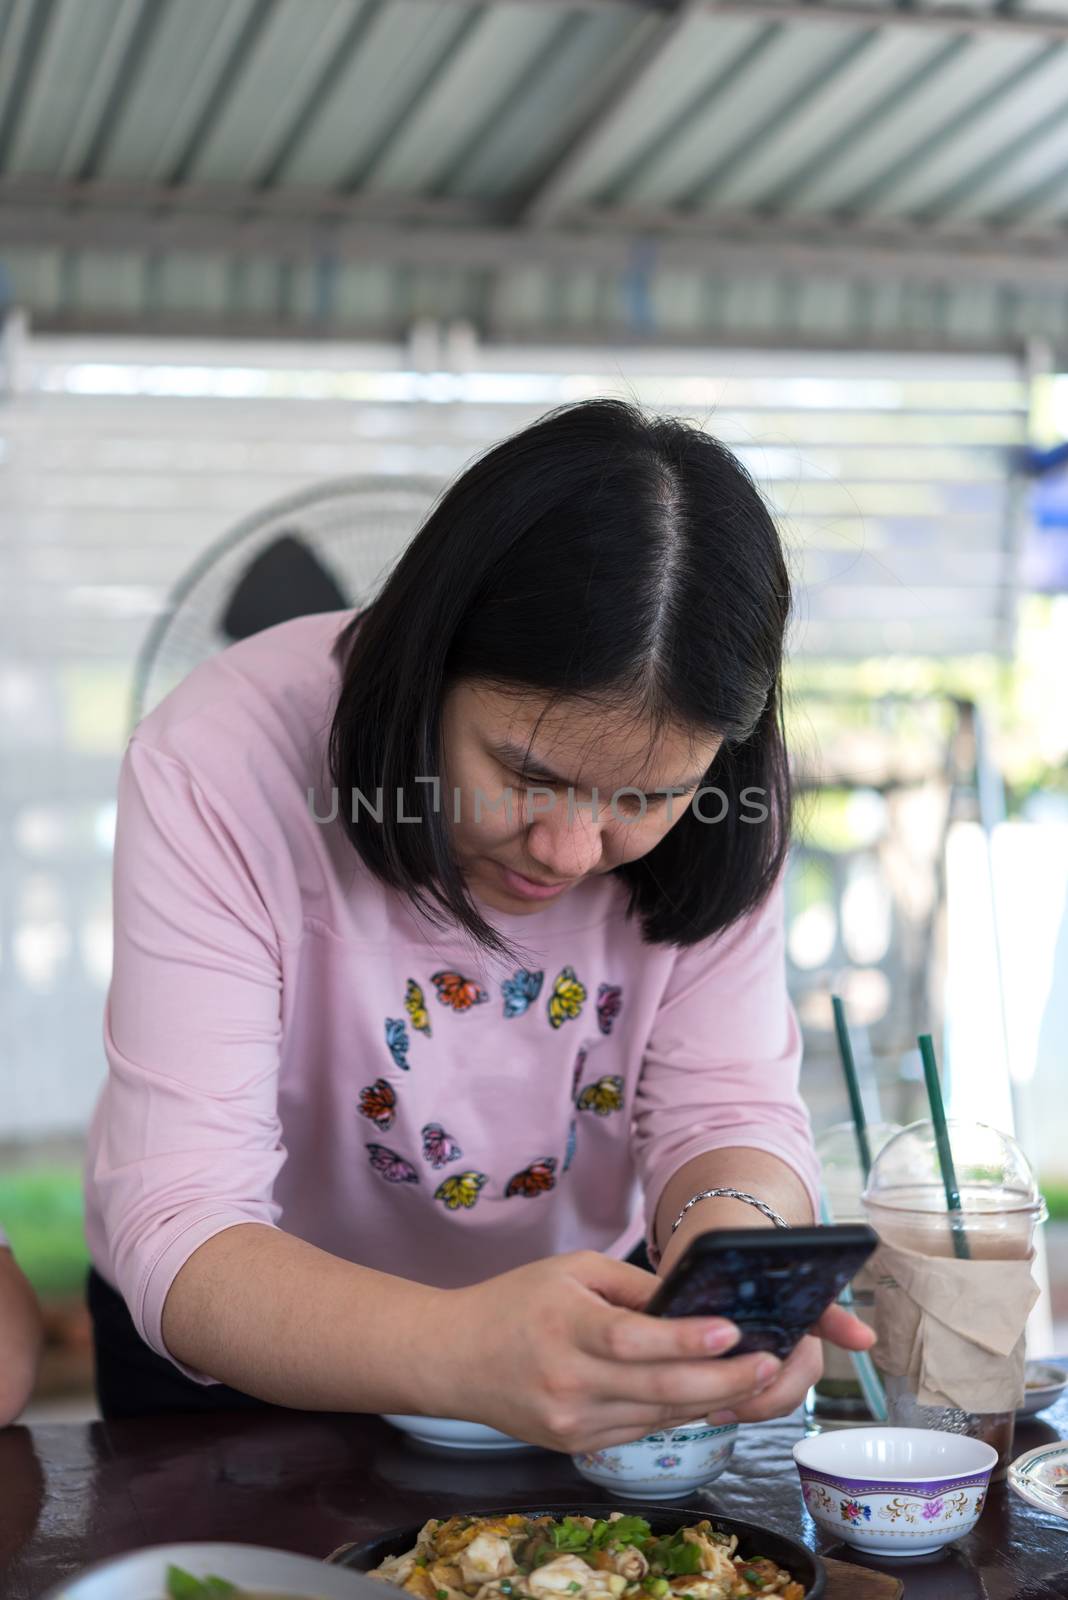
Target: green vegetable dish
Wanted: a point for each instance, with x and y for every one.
(619, 1558)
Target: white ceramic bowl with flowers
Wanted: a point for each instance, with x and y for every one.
(663, 1465)
(895, 1491)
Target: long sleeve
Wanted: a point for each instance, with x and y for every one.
(723, 1059)
(188, 1137)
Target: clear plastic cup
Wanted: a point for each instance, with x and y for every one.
(836, 1400)
(905, 1202)
(905, 1199)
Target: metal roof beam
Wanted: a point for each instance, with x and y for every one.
(237, 60)
(976, 177)
(396, 324)
(642, 53)
(799, 177)
(873, 191)
(364, 170)
(944, 20)
(345, 50)
(23, 61)
(741, 61)
(210, 199)
(613, 243)
(137, 46)
(702, 194)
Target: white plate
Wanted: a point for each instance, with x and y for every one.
(141, 1575)
(1046, 1383)
(1038, 1475)
(448, 1434)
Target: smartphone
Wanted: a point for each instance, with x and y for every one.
(774, 1286)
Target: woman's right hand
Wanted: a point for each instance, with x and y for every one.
(559, 1354)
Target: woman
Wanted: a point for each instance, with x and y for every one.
(449, 961)
(20, 1336)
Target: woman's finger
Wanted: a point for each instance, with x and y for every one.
(799, 1372)
(839, 1326)
(612, 1431)
(618, 1282)
(626, 1336)
(695, 1386)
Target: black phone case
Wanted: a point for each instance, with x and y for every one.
(773, 1286)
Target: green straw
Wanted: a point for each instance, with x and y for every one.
(945, 1154)
(856, 1104)
(871, 1385)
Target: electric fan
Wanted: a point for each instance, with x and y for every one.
(325, 549)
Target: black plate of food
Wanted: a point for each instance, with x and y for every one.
(754, 1543)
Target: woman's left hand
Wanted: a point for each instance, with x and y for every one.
(802, 1368)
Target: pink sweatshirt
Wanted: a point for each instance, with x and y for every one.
(289, 1043)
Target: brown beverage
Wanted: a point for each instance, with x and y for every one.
(999, 1225)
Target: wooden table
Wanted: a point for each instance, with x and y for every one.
(71, 1494)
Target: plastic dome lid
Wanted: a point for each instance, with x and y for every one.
(991, 1170)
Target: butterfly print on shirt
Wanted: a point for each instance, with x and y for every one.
(609, 1005)
(603, 1097)
(415, 1005)
(567, 999)
(461, 1190)
(572, 1141)
(536, 1179)
(439, 1146)
(458, 992)
(379, 1103)
(397, 1041)
(389, 1165)
(580, 1067)
(520, 991)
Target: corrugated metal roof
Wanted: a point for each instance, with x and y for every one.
(814, 171)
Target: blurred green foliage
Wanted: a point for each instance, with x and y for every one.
(42, 1214)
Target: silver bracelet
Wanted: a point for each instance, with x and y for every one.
(732, 1194)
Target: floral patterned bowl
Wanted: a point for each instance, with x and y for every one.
(895, 1491)
(662, 1465)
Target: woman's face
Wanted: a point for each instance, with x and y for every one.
(522, 778)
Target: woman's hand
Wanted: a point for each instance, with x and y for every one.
(801, 1369)
(556, 1353)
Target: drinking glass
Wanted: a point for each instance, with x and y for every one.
(905, 1202)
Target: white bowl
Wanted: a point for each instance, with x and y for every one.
(662, 1465)
(1045, 1383)
(895, 1491)
(446, 1433)
(143, 1573)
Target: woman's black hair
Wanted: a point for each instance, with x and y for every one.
(600, 554)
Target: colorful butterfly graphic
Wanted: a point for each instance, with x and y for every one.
(572, 1141)
(604, 1096)
(609, 1005)
(521, 991)
(461, 1190)
(580, 1067)
(379, 1103)
(567, 998)
(415, 1005)
(397, 1040)
(459, 993)
(536, 1179)
(389, 1165)
(439, 1146)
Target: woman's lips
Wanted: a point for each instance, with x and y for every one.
(529, 888)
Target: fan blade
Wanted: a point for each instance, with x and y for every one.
(286, 580)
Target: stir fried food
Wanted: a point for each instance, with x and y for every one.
(580, 1558)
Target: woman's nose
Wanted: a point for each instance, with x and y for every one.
(565, 847)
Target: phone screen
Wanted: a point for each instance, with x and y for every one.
(773, 1286)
